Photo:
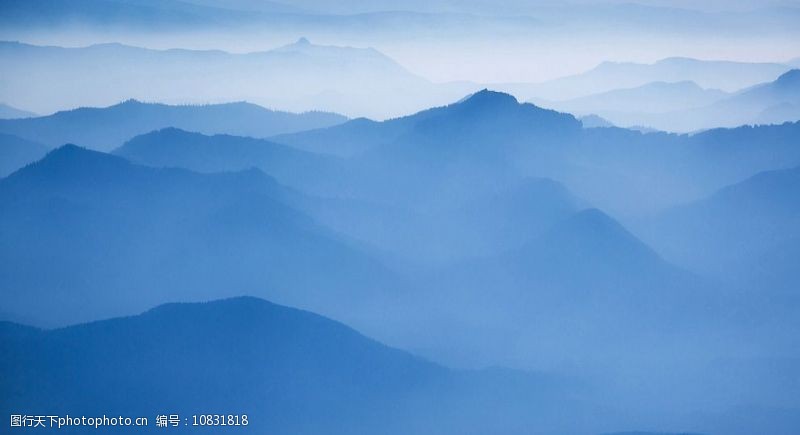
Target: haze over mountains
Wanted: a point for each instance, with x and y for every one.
(724, 75)
(298, 368)
(754, 217)
(118, 212)
(106, 128)
(674, 94)
(554, 218)
(8, 112)
(685, 107)
(298, 77)
(624, 164)
(16, 152)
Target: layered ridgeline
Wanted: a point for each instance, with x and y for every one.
(460, 232)
(16, 152)
(731, 229)
(486, 222)
(686, 107)
(444, 146)
(9, 112)
(584, 280)
(485, 146)
(289, 371)
(172, 147)
(609, 76)
(299, 77)
(489, 139)
(655, 97)
(120, 237)
(106, 128)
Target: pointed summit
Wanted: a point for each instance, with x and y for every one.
(491, 98)
(71, 162)
(789, 78)
(593, 234)
(301, 44)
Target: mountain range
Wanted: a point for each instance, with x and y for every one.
(486, 205)
(489, 141)
(149, 233)
(16, 152)
(8, 112)
(560, 217)
(287, 370)
(107, 128)
(585, 269)
(298, 77)
(727, 76)
(172, 147)
(685, 107)
(751, 218)
(656, 97)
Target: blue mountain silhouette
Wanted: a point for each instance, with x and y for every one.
(138, 236)
(9, 112)
(107, 128)
(16, 152)
(290, 371)
(172, 147)
(728, 231)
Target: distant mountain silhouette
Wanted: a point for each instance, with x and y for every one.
(107, 128)
(139, 236)
(348, 139)
(594, 121)
(585, 270)
(512, 216)
(592, 249)
(624, 106)
(456, 151)
(778, 101)
(773, 102)
(8, 112)
(16, 152)
(173, 147)
(728, 231)
(290, 371)
(726, 75)
(297, 77)
(777, 270)
(485, 224)
(662, 170)
(488, 142)
(493, 221)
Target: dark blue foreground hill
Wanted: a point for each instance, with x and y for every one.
(290, 371)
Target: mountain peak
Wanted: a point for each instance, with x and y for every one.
(302, 43)
(595, 233)
(676, 60)
(129, 102)
(789, 78)
(73, 162)
(74, 152)
(487, 97)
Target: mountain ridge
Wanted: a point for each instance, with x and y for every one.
(131, 117)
